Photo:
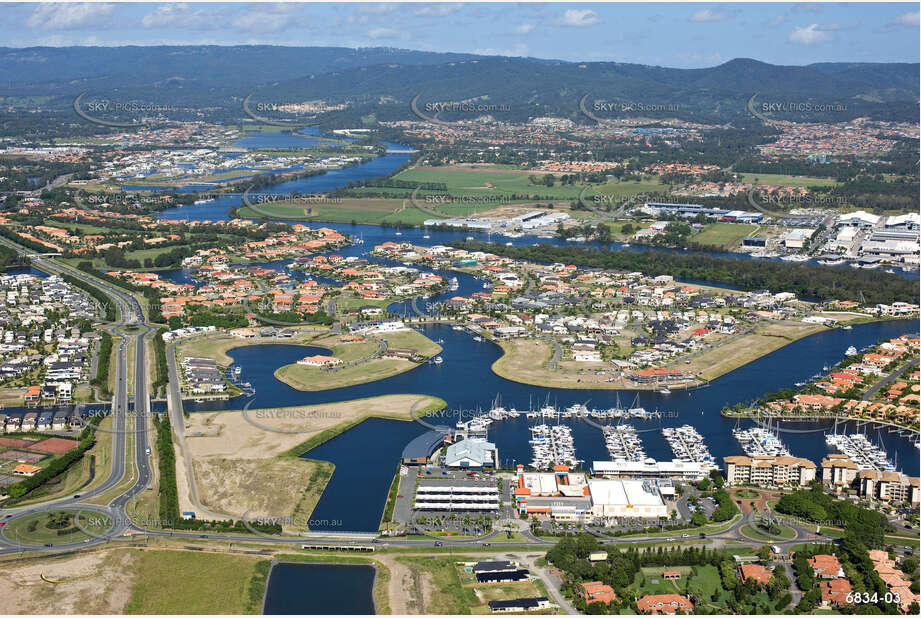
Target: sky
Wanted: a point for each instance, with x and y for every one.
(687, 35)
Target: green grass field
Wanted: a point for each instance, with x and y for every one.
(196, 583)
(786, 180)
(57, 527)
(726, 235)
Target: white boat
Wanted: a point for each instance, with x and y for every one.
(851, 351)
(831, 262)
(438, 360)
(478, 338)
(869, 266)
(398, 233)
(457, 327)
(665, 391)
(426, 236)
(854, 265)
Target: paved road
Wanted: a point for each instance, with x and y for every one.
(871, 392)
(131, 323)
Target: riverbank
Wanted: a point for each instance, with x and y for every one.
(311, 378)
(528, 361)
(216, 345)
(249, 461)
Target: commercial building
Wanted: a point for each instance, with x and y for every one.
(797, 237)
(768, 470)
(558, 495)
(472, 453)
(675, 470)
(612, 498)
(420, 449)
(456, 495)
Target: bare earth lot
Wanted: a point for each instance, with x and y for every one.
(241, 465)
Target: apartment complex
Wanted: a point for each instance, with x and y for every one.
(768, 470)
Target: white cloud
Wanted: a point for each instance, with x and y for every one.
(909, 19)
(182, 14)
(579, 18)
(705, 15)
(258, 21)
(60, 16)
(524, 29)
(435, 10)
(367, 13)
(808, 35)
(388, 33)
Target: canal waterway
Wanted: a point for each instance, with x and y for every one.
(467, 362)
(318, 589)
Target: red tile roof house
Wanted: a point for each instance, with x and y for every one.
(826, 566)
(664, 604)
(597, 592)
(756, 572)
(835, 591)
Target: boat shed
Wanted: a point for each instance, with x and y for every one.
(421, 448)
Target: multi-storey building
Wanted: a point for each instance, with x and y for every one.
(767, 470)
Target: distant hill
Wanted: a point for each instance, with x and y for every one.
(219, 77)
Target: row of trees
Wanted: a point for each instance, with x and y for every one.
(817, 506)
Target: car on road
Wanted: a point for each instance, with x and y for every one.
(76, 496)
(438, 543)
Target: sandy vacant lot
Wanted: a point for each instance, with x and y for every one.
(97, 582)
(264, 433)
(236, 455)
